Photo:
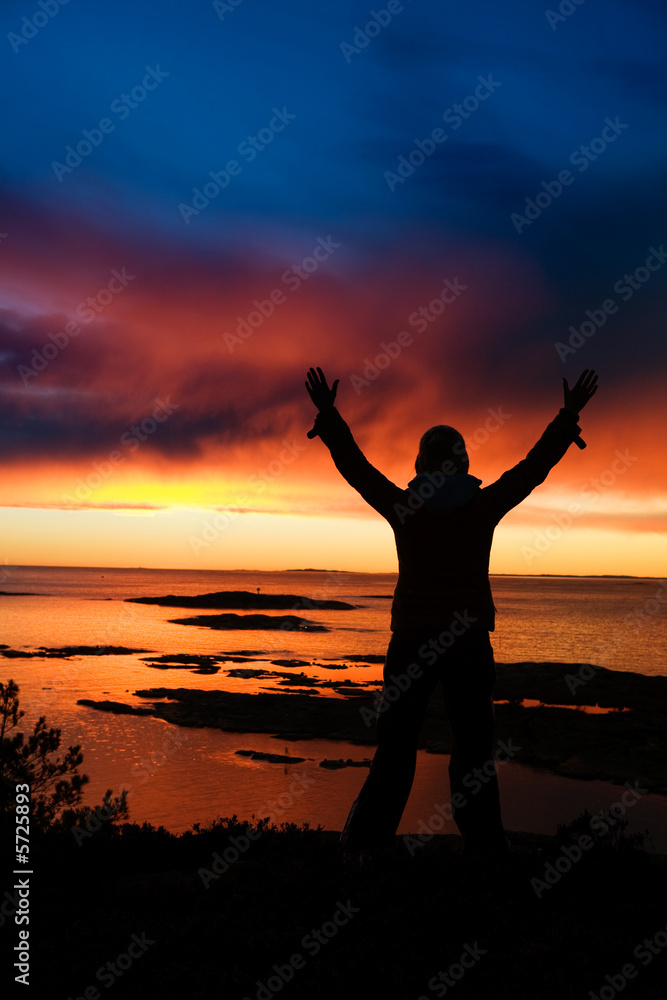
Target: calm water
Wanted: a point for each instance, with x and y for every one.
(179, 776)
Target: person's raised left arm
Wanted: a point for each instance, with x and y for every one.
(516, 484)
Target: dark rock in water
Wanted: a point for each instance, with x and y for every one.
(272, 758)
(298, 679)
(287, 679)
(291, 663)
(334, 765)
(91, 650)
(204, 668)
(245, 653)
(244, 599)
(350, 692)
(580, 684)
(117, 707)
(183, 658)
(18, 593)
(294, 715)
(371, 658)
(281, 623)
(204, 664)
(61, 652)
(240, 659)
(249, 672)
(289, 693)
(607, 747)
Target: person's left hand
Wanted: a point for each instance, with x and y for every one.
(322, 396)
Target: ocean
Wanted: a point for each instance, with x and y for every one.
(179, 776)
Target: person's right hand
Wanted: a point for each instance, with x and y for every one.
(322, 396)
(577, 397)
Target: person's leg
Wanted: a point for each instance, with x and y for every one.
(377, 810)
(468, 676)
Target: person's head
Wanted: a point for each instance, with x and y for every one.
(442, 449)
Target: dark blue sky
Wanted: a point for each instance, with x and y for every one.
(353, 118)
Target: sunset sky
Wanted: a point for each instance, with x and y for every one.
(202, 200)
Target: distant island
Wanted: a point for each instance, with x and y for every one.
(285, 623)
(245, 600)
(311, 569)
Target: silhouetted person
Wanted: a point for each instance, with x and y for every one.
(442, 612)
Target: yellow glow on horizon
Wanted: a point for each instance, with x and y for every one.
(190, 538)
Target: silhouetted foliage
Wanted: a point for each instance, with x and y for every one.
(56, 785)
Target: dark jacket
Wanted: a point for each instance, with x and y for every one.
(444, 532)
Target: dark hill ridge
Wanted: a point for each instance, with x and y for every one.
(244, 599)
(223, 906)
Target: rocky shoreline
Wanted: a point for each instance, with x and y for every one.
(606, 745)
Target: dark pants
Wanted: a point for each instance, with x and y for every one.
(467, 673)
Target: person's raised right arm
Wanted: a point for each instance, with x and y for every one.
(376, 489)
